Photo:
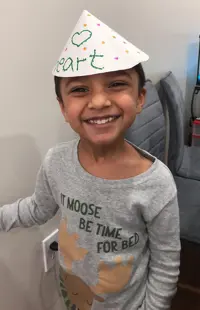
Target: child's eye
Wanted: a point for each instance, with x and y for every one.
(117, 84)
(79, 90)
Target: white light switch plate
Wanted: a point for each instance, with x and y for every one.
(49, 256)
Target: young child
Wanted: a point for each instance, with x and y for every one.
(119, 233)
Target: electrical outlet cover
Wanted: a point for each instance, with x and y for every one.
(49, 257)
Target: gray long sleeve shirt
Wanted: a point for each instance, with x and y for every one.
(119, 239)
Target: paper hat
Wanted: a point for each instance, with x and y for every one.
(94, 48)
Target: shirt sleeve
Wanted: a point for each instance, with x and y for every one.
(34, 210)
(164, 245)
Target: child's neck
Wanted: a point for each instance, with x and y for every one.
(103, 153)
(114, 162)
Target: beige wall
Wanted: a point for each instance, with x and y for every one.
(32, 34)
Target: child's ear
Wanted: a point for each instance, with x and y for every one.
(63, 109)
(141, 101)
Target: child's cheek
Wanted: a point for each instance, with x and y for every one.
(74, 117)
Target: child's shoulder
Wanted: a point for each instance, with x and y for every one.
(162, 187)
(163, 174)
(158, 176)
(157, 172)
(161, 191)
(61, 150)
(63, 146)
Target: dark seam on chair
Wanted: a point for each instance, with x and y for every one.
(157, 144)
(156, 131)
(158, 148)
(136, 129)
(147, 106)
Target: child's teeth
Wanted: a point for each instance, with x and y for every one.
(101, 121)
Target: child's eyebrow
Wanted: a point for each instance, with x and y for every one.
(73, 80)
(81, 79)
(118, 73)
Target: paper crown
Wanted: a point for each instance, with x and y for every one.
(95, 48)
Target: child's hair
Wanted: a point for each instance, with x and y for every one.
(138, 68)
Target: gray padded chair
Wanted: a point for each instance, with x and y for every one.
(148, 131)
(184, 161)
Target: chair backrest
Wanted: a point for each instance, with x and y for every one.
(149, 129)
(171, 96)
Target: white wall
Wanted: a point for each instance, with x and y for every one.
(32, 35)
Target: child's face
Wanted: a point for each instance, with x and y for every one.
(101, 107)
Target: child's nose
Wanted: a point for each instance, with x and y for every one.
(99, 101)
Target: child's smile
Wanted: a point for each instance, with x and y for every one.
(102, 124)
(102, 120)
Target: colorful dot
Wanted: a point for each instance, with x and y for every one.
(85, 25)
(116, 58)
(99, 25)
(85, 48)
(124, 42)
(66, 49)
(89, 15)
(127, 51)
(114, 37)
(103, 42)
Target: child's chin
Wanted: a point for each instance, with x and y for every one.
(99, 140)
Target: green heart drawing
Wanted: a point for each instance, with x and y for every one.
(78, 37)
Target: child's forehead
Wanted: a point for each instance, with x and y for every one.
(101, 76)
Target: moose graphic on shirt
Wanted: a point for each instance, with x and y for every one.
(111, 279)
